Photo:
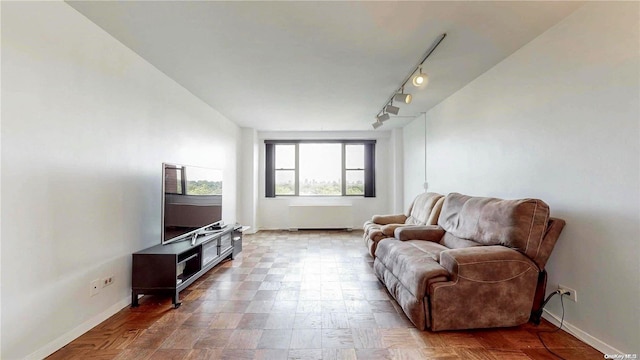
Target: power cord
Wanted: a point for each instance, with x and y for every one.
(562, 294)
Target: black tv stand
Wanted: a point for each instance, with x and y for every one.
(171, 268)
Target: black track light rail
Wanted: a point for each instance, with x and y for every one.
(418, 65)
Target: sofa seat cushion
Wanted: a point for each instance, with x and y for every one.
(428, 248)
(413, 262)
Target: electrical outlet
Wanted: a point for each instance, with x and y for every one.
(107, 281)
(94, 287)
(572, 294)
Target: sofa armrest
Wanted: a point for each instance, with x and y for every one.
(389, 219)
(421, 232)
(490, 264)
(491, 286)
(389, 229)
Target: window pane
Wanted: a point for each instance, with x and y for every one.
(355, 182)
(285, 156)
(285, 182)
(320, 169)
(173, 180)
(354, 156)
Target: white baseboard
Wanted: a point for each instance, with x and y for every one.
(63, 340)
(581, 335)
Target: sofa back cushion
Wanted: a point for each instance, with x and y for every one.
(518, 224)
(422, 207)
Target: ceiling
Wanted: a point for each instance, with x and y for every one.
(320, 66)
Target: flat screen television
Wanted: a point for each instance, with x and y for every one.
(191, 201)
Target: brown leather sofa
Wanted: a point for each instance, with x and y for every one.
(424, 210)
(480, 267)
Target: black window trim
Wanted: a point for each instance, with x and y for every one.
(369, 164)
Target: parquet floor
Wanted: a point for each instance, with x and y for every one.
(299, 295)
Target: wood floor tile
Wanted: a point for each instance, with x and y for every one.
(308, 321)
(441, 354)
(299, 295)
(335, 320)
(171, 320)
(309, 306)
(280, 321)
(392, 320)
(309, 294)
(253, 321)
(407, 354)
(183, 338)
(169, 354)
(337, 339)
(339, 354)
(305, 354)
(306, 339)
(212, 306)
(204, 354)
(275, 339)
(367, 338)
(357, 321)
(474, 353)
(398, 338)
(150, 339)
(244, 339)
(213, 338)
(133, 354)
(374, 354)
(260, 306)
(234, 307)
(226, 320)
(333, 306)
(271, 354)
(286, 294)
(237, 354)
(428, 339)
(284, 306)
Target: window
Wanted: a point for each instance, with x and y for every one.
(320, 168)
(285, 170)
(354, 169)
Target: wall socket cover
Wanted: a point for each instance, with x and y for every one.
(573, 295)
(94, 287)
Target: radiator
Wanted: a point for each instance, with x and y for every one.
(320, 217)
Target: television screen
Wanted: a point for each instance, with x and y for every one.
(191, 201)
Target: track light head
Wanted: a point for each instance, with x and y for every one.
(421, 79)
(383, 117)
(376, 124)
(392, 109)
(405, 98)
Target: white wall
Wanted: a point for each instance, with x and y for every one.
(248, 175)
(559, 120)
(273, 212)
(396, 172)
(86, 124)
(414, 160)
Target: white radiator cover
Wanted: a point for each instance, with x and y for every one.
(320, 217)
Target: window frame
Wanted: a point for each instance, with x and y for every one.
(368, 170)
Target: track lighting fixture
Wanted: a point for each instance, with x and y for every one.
(402, 97)
(419, 80)
(383, 117)
(391, 109)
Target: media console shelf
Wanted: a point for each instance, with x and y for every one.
(171, 268)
